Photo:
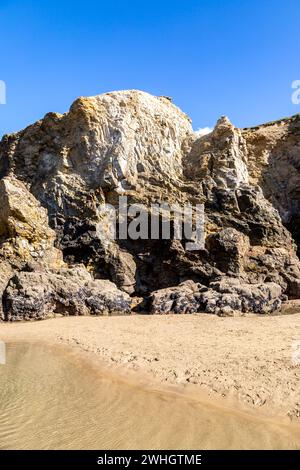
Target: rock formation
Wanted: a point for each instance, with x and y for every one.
(55, 254)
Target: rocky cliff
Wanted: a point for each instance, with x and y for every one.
(55, 256)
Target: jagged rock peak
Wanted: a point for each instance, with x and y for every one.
(224, 121)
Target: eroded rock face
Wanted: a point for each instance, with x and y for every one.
(35, 282)
(273, 163)
(24, 229)
(57, 173)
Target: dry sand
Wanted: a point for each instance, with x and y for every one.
(240, 360)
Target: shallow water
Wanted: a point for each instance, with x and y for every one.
(52, 400)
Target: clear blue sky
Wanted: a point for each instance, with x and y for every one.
(231, 57)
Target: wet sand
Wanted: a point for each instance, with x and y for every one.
(54, 398)
(239, 361)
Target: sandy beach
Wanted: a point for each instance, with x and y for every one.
(242, 361)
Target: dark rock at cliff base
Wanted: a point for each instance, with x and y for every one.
(37, 295)
(56, 174)
(224, 297)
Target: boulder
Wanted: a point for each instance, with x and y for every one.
(228, 249)
(230, 294)
(37, 295)
(222, 297)
(180, 299)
